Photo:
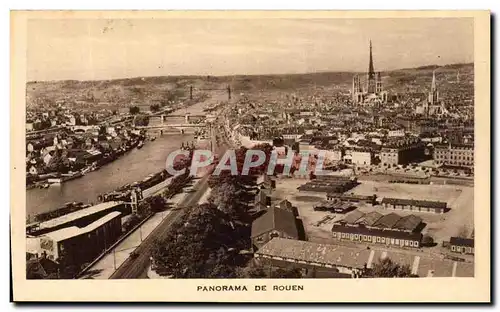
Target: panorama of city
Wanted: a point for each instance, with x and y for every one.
(397, 200)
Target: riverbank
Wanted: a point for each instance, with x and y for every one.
(51, 178)
(133, 166)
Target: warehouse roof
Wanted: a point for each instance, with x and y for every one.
(409, 223)
(353, 217)
(292, 251)
(275, 219)
(370, 218)
(387, 221)
(72, 231)
(313, 252)
(78, 214)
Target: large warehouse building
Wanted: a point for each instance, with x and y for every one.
(78, 245)
(79, 218)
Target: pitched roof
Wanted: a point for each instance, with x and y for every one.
(410, 223)
(387, 221)
(353, 216)
(460, 241)
(292, 251)
(370, 218)
(334, 255)
(72, 231)
(275, 219)
(79, 214)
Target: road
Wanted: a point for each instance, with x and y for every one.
(134, 267)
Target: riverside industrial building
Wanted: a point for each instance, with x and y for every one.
(79, 245)
(80, 236)
(77, 218)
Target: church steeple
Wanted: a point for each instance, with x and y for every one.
(434, 93)
(433, 85)
(371, 73)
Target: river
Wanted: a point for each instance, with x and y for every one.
(133, 166)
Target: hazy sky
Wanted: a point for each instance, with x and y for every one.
(107, 49)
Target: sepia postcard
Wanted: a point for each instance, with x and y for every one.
(250, 156)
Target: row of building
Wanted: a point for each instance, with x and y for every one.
(398, 151)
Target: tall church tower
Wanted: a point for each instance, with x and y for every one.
(379, 84)
(356, 89)
(371, 74)
(433, 94)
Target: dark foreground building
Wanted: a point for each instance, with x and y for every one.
(80, 245)
(274, 222)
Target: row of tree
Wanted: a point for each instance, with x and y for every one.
(200, 245)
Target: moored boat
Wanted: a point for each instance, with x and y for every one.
(65, 177)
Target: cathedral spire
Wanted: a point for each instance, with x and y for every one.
(371, 74)
(433, 94)
(433, 85)
(371, 71)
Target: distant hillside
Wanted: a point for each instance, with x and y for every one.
(399, 80)
(149, 90)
